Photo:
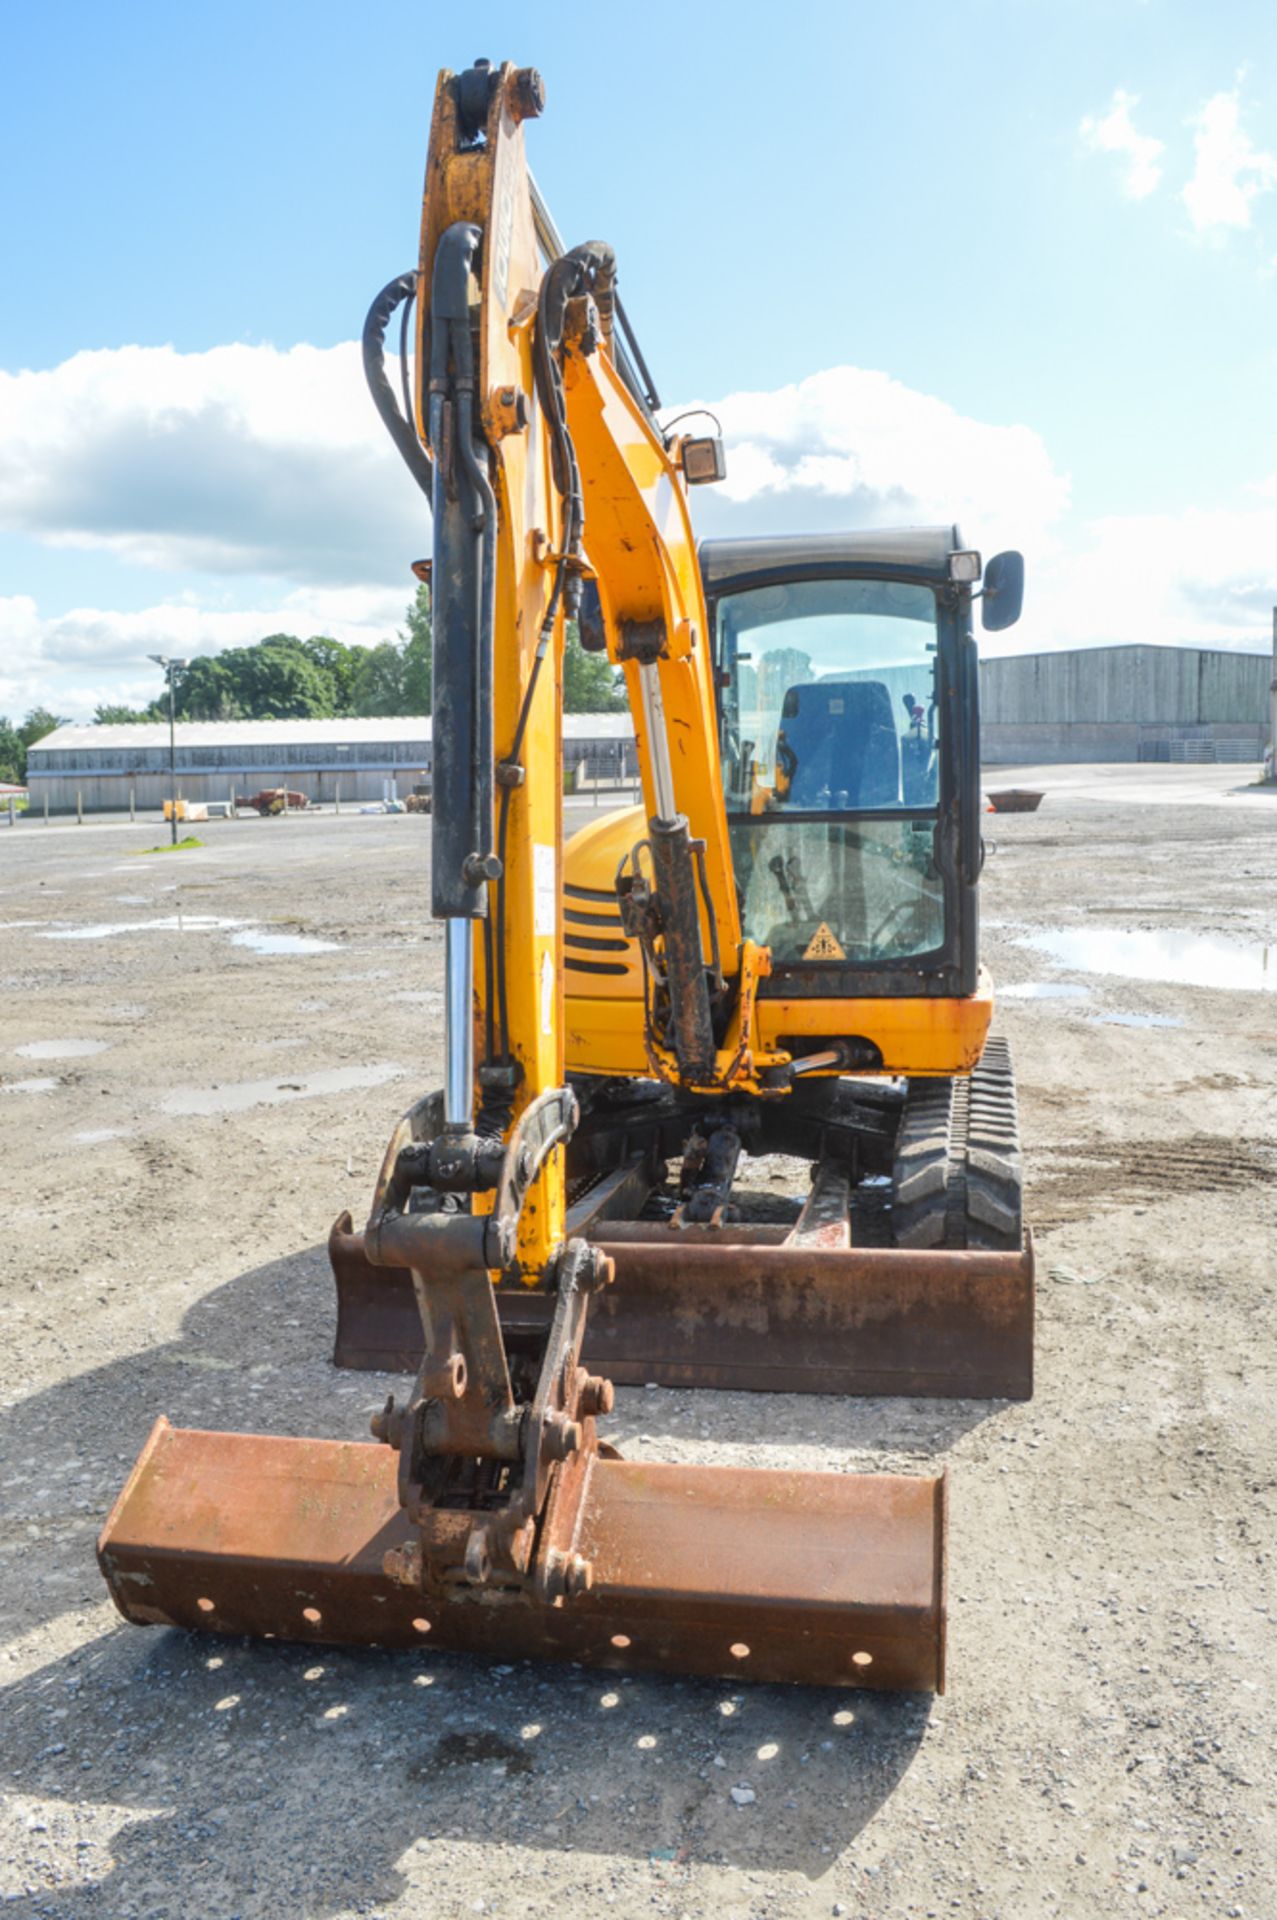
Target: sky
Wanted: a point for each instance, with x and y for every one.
(1012, 263)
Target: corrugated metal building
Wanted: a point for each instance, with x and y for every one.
(1125, 703)
(103, 769)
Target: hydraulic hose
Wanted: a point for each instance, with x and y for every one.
(400, 429)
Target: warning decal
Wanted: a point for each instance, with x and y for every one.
(823, 946)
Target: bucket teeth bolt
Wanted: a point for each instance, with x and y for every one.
(604, 1269)
(560, 1437)
(387, 1425)
(566, 1575)
(525, 94)
(403, 1564)
(595, 1396)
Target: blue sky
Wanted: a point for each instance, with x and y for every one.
(1016, 262)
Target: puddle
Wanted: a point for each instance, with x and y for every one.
(27, 1086)
(284, 943)
(1136, 1019)
(167, 923)
(240, 1095)
(1181, 959)
(96, 1136)
(1045, 990)
(61, 1049)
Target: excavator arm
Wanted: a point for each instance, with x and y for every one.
(588, 501)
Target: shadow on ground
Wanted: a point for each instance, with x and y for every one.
(307, 1776)
(299, 1778)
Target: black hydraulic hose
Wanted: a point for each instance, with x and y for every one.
(401, 430)
(565, 277)
(404, 318)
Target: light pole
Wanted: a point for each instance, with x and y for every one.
(170, 668)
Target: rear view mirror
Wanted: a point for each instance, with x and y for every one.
(1003, 595)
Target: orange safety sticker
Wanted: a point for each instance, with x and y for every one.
(823, 945)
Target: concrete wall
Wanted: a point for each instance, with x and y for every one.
(1123, 686)
(1027, 745)
(1121, 703)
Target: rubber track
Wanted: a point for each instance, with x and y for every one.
(957, 1177)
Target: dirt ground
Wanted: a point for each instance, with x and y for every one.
(1107, 1744)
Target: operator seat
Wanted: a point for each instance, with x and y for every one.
(837, 746)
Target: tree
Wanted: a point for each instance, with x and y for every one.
(275, 680)
(13, 755)
(278, 680)
(39, 721)
(108, 715)
(203, 690)
(339, 662)
(418, 655)
(589, 679)
(379, 681)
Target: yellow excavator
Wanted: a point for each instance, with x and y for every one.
(776, 954)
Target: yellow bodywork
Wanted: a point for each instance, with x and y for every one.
(603, 979)
(576, 989)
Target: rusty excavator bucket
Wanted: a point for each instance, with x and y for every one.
(492, 1519)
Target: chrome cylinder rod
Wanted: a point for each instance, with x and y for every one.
(658, 745)
(458, 1089)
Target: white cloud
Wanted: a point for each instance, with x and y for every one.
(1203, 577)
(251, 462)
(1230, 172)
(864, 448)
(91, 655)
(1114, 132)
(240, 460)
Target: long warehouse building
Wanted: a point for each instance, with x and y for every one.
(108, 769)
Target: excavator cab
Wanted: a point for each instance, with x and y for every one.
(842, 672)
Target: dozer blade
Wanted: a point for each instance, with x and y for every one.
(741, 1308)
(825, 1579)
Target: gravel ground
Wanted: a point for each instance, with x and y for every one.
(1107, 1744)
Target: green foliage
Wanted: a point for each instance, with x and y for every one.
(379, 680)
(339, 662)
(418, 655)
(39, 721)
(397, 677)
(13, 755)
(191, 840)
(589, 679)
(275, 680)
(108, 715)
